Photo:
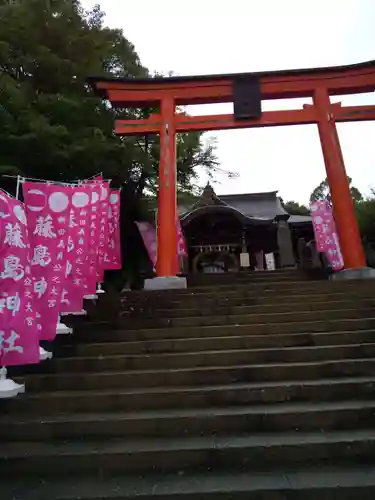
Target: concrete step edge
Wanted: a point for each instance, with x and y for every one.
(253, 285)
(275, 409)
(249, 441)
(358, 301)
(269, 366)
(172, 322)
(360, 380)
(285, 481)
(217, 327)
(223, 352)
(188, 340)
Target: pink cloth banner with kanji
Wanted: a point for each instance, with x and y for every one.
(112, 253)
(325, 233)
(93, 221)
(103, 229)
(19, 336)
(48, 214)
(78, 242)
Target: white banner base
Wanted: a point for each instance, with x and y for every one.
(82, 312)
(9, 388)
(92, 296)
(244, 259)
(270, 262)
(100, 290)
(62, 329)
(43, 354)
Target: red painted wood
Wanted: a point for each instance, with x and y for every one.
(343, 207)
(318, 83)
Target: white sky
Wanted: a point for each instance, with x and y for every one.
(209, 36)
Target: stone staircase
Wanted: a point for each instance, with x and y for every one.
(261, 386)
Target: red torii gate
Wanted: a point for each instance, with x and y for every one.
(319, 83)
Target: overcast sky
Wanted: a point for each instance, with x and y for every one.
(209, 36)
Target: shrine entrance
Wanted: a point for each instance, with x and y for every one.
(246, 91)
(216, 234)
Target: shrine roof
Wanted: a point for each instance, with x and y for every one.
(255, 207)
(300, 219)
(252, 206)
(259, 205)
(215, 77)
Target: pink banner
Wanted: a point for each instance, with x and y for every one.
(74, 288)
(148, 234)
(103, 229)
(93, 214)
(19, 336)
(48, 213)
(181, 244)
(325, 233)
(112, 254)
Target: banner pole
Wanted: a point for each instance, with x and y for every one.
(19, 180)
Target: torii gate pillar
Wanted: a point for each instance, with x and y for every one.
(167, 263)
(342, 203)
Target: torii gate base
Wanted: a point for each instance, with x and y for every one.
(362, 273)
(246, 92)
(165, 283)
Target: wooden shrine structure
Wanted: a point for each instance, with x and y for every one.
(246, 91)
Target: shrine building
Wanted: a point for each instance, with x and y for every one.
(224, 233)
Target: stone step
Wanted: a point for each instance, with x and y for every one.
(196, 376)
(366, 310)
(211, 358)
(325, 483)
(287, 417)
(258, 283)
(218, 343)
(234, 279)
(245, 272)
(254, 287)
(230, 296)
(244, 278)
(161, 455)
(217, 303)
(201, 396)
(261, 308)
(353, 320)
(256, 374)
(242, 300)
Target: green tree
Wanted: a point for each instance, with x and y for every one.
(322, 191)
(365, 211)
(294, 208)
(51, 124)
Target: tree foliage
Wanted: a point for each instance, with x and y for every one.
(51, 124)
(365, 211)
(294, 208)
(322, 191)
